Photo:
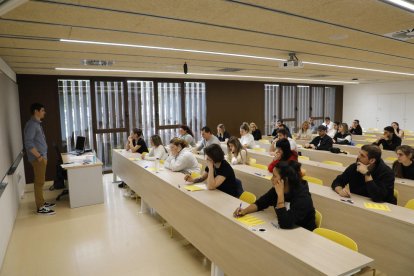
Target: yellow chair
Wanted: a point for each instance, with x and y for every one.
(329, 162)
(409, 139)
(337, 237)
(396, 194)
(372, 129)
(252, 161)
(259, 166)
(370, 135)
(410, 204)
(370, 140)
(301, 157)
(264, 141)
(318, 218)
(162, 162)
(259, 149)
(313, 180)
(390, 159)
(248, 197)
(359, 145)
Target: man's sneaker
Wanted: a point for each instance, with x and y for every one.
(49, 204)
(45, 211)
(122, 185)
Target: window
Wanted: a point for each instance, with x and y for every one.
(296, 103)
(141, 107)
(195, 107)
(75, 112)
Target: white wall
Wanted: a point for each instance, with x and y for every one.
(377, 105)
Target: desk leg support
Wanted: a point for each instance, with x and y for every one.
(215, 270)
(144, 207)
(115, 178)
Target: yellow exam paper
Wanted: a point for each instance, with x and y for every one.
(133, 159)
(268, 177)
(193, 188)
(376, 206)
(250, 220)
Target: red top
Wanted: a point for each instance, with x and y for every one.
(293, 157)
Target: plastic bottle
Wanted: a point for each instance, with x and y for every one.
(157, 165)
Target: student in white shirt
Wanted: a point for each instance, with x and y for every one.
(283, 134)
(181, 159)
(331, 133)
(305, 132)
(328, 123)
(158, 151)
(236, 154)
(187, 135)
(247, 139)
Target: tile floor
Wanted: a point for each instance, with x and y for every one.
(106, 239)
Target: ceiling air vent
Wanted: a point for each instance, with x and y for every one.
(403, 35)
(95, 62)
(230, 70)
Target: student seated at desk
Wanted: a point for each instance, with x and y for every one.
(136, 142)
(289, 196)
(236, 154)
(321, 142)
(222, 133)
(181, 159)
(342, 137)
(389, 141)
(283, 134)
(247, 140)
(158, 151)
(403, 167)
(369, 177)
(257, 134)
(281, 125)
(219, 173)
(208, 139)
(305, 132)
(397, 131)
(282, 152)
(187, 135)
(355, 128)
(334, 130)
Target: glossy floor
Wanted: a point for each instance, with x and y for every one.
(106, 239)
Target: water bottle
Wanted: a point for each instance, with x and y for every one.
(157, 165)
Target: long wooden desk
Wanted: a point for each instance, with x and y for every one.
(205, 219)
(388, 237)
(84, 179)
(327, 173)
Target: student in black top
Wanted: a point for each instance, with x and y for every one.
(342, 137)
(257, 134)
(136, 142)
(389, 141)
(279, 125)
(321, 142)
(219, 173)
(222, 134)
(404, 166)
(355, 128)
(369, 177)
(288, 187)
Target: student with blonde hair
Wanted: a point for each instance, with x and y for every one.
(236, 154)
(181, 159)
(257, 134)
(247, 139)
(305, 132)
(222, 133)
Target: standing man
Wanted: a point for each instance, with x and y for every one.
(36, 149)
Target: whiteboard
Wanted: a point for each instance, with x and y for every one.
(10, 127)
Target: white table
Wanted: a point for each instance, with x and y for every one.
(84, 179)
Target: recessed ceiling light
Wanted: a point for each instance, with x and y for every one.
(204, 75)
(405, 4)
(228, 54)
